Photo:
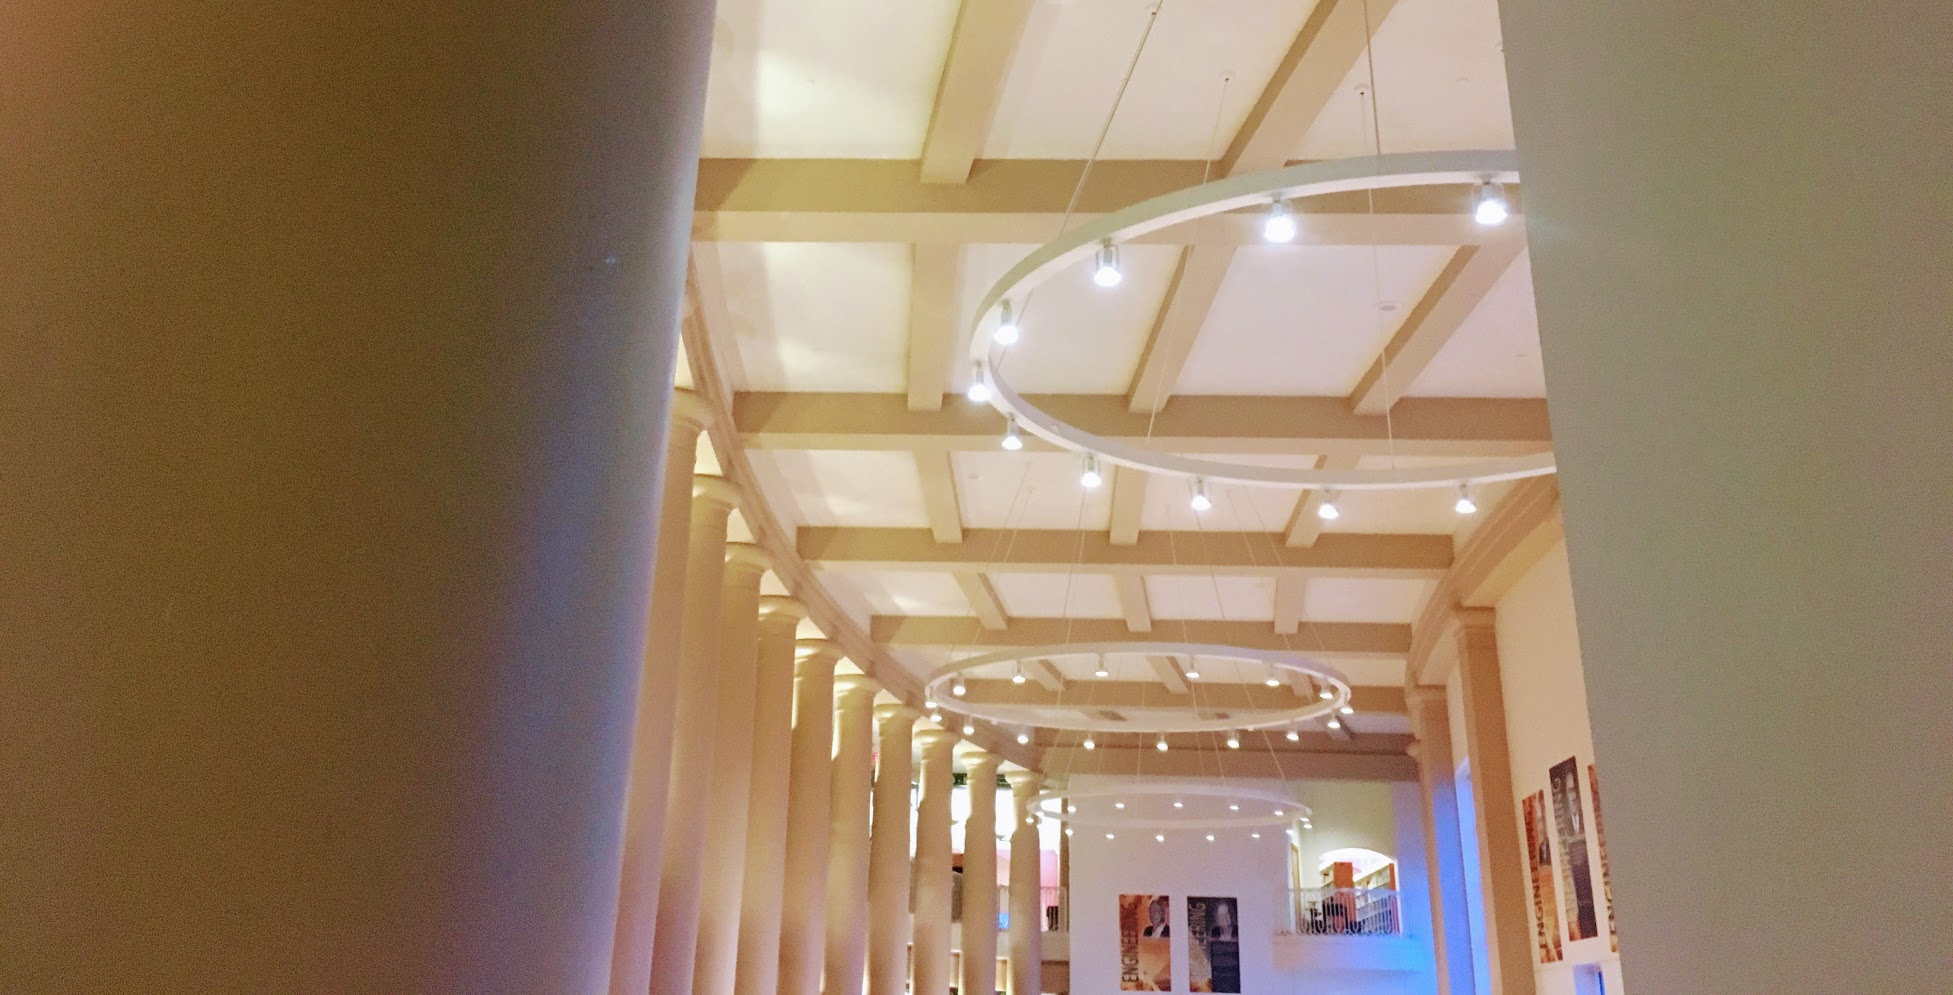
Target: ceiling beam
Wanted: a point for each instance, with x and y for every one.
(1521, 528)
(984, 603)
(1047, 675)
(933, 323)
(980, 51)
(1347, 640)
(1022, 201)
(1132, 601)
(1128, 504)
(939, 501)
(1340, 554)
(1329, 44)
(1320, 764)
(1169, 673)
(1459, 288)
(1208, 425)
(1151, 696)
(1291, 603)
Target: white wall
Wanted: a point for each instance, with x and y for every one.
(1546, 722)
(1255, 873)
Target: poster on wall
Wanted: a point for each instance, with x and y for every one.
(1539, 858)
(1575, 873)
(1145, 950)
(1600, 843)
(1213, 945)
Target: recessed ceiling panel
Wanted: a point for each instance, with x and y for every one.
(902, 592)
(846, 488)
(1081, 338)
(817, 317)
(1026, 490)
(1495, 351)
(1056, 595)
(1363, 599)
(1169, 506)
(1205, 596)
(824, 78)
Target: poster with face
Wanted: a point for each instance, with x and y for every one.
(1213, 945)
(1145, 950)
(1600, 843)
(1568, 820)
(1539, 859)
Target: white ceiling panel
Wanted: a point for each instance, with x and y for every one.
(1236, 509)
(1081, 338)
(904, 592)
(1495, 352)
(1060, 89)
(1054, 595)
(1304, 319)
(1027, 490)
(825, 317)
(1210, 597)
(804, 78)
(1362, 599)
(830, 487)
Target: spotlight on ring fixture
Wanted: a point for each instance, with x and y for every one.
(1347, 710)
(1023, 738)
(1327, 510)
(1210, 837)
(1273, 682)
(1090, 743)
(1465, 505)
(1200, 501)
(1489, 206)
(1325, 694)
(1335, 723)
(1105, 265)
(979, 390)
(1293, 736)
(1006, 332)
(1233, 740)
(1090, 478)
(1012, 441)
(969, 729)
(1018, 677)
(958, 688)
(936, 717)
(1102, 670)
(1279, 227)
(1159, 837)
(1160, 744)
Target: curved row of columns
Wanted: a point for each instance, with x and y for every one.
(767, 836)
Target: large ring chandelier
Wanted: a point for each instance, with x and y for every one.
(1274, 187)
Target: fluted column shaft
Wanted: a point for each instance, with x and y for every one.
(932, 870)
(888, 852)
(803, 939)
(758, 970)
(680, 889)
(1026, 895)
(1451, 937)
(644, 813)
(724, 858)
(980, 876)
(847, 847)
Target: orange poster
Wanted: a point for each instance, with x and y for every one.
(1600, 844)
(1145, 947)
(1539, 859)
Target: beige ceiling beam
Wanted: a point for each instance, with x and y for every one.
(1171, 676)
(1331, 40)
(1291, 603)
(939, 501)
(984, 603)
(1211, 425)
(1131, 588)
(1147, 696)
(1459, 288)
(1047, 675)
(1339, 554)
(1383, 760)
(980, 50)
(1516, 533)
(1128, 504)
(1346, 640)
(1022, 201)
(934, 324)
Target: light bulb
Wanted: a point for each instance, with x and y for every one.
(959, 688)
(1280, 226)
(1327, 510)
(1254, 836)
(1090, 479)
(1489, 206)
(968, 729)
(1335, 723)
(1273, 682)
(1234, 806)
(1071, 808)
(936, 717)
(1090, 743)
(1192, 674)
(1160, 745)
(1200, 502)
(1023, 737)
(930, 704)
(1325, 694)
(1347, 710)
(1105, 267)
(1465, 505)
(1012, 440)
(1177, 803)
(1159, 837)
(1119, 805)
(1294, 737)
(1110, 836)
(1233, 741)
(1280, 812)
(1067, 830)
(1006, 331)
(979, 389)
(1017, 678)
(1210, 837)
(1101, 672)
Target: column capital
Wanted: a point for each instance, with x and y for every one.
(1414, 749)
(817, 652)
(689, 411)
(778, 609)
(747, 557)
(978, 760)
(935, 742)
(1466, 621)
(850, 688)
(1024, 783)
(714, 490)
(896, 713)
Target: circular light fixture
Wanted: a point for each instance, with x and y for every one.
(1013, 441)
(1006, 331)
(1327, 510)
(1105, 267)
(1248, 807)
(1279, 226)
(1090, 479)
(1489, 207)
(1096, 242)
(1200, 501)
(1465, 505)
(959, 688)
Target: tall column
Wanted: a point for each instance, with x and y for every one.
(803, 936)
(644, 811)
(888, 852)
(1451, 932)
(980, 875)
(766, 833)
(681, 889)
(724, 862)
(1740, 254)
(1501, 852)
(1026, 894)
(932, 868)
(321, 646)
(847, 847)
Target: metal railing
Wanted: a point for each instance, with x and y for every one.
(1340, 912)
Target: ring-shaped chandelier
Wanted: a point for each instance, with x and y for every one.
(1413, 169)
(1031, 717)
(1123, 807)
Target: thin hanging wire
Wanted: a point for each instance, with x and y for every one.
(1370, 109)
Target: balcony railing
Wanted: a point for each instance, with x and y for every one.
(1341, 912)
